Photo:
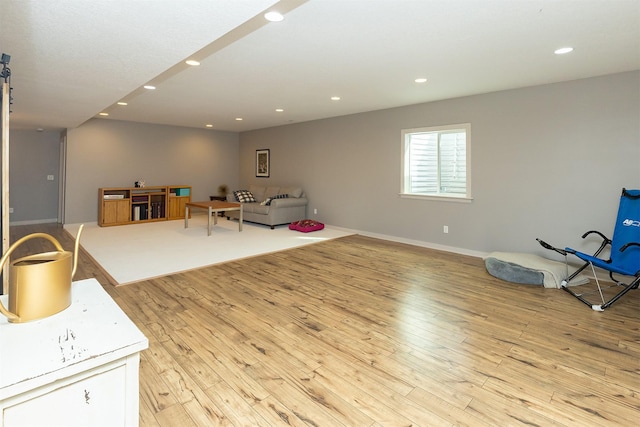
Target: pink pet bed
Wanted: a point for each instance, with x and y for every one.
(306, 225)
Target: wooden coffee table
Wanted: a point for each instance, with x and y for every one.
(212, 207)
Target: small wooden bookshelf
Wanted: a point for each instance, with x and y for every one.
(131, 205)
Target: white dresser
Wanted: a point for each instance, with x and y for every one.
(76, 368)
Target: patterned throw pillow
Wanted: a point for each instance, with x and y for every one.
(244, 196)
(277, 196)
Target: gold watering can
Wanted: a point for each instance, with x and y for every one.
(40, 284)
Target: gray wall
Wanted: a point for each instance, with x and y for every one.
(32, 156)
(108, 153)
(546, 161)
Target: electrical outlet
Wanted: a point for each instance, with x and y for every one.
(445, 229)
(315, 211)
(10, 210)
(49, 177)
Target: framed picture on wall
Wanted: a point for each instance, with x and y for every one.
(262, 163)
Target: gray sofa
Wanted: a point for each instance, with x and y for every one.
(273, 205)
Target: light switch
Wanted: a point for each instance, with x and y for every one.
(49, 177)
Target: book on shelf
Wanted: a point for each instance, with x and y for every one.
(143, 212)
(157, 210)
(139, 199)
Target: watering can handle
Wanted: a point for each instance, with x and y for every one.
(5, 257)
(75, 251)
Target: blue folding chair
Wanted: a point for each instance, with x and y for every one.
(624, 258)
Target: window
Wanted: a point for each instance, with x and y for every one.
(435, 162)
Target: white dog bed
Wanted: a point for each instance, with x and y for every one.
(529, 269)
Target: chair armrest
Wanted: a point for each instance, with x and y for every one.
(599, 234)
(624, 247)
(289, 202)
(605, 241)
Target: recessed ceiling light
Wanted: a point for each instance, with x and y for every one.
(122, 103)
(239, 119)
(279, 110)
(335, 98)
(209, 125)
(273, 16)
(420, 80)
(149, 87)
(192, 62)
(563, 50)
(103, 114)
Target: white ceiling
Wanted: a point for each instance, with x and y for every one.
(73, 59)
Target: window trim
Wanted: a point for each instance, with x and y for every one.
(467, 198)
(448, 198)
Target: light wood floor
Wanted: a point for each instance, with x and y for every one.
(363, 332)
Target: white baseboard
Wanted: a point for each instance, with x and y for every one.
(78, 224)
(35, 221)
(420, 243)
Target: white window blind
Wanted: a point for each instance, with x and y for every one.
(436, 161)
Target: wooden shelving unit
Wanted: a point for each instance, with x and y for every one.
(131, 205)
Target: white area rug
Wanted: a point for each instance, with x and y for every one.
(130, 253)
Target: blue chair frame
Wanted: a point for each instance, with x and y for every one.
(624, 258)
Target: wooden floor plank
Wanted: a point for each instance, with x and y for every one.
(154, 392)
(175, 415)
(374, 408)
(308, 405)
(277, 414)
(234, 406)
(504, 410)
(204, 412)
